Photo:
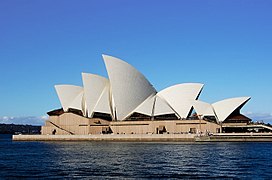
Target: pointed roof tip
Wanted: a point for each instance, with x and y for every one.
(86, 74)
(61, 85)
(113, 60)
(67, 85)
(225, 107)
(109, 57)
(106, 56)
(247, 98)
(244, 98)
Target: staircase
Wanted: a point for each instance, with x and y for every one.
(57, 126)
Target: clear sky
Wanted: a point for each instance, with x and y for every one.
(226, 44)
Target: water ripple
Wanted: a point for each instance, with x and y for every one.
(124, 160)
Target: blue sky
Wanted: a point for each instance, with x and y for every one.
(224, 44)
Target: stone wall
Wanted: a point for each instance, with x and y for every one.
(69, 123)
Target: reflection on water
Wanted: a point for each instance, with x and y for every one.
(134, 160)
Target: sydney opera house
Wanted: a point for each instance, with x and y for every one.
(127, 103)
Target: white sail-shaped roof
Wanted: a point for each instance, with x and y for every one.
(103, 104)
(129, 87)
(70, 96)
(203, 108)
(94, 86)
(147, 106)
(154, 106)
(161, 107)
(225, 107)
(181, 96)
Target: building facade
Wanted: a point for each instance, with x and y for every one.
(127, 103)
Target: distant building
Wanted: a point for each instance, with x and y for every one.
(127, 103)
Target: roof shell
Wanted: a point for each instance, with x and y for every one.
(103, 104)
(162, 107)
(70, 96)
(147, 106)
(128, 86)
(203, 108)
(225, 107)
(181, 96)
(154, 106)
(94, 85)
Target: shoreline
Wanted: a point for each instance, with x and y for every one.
(109, 137)
(220, 137)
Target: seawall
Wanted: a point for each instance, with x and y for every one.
(109, 137)
(220, 137)
(236, 137)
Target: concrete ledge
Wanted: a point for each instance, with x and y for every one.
(233, 137)
(241, 139)
(109, 137)
(243, 134)
(236, 137)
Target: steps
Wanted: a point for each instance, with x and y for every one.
(57, 126)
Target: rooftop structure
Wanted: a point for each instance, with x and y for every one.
(126, 102)
(127, 92)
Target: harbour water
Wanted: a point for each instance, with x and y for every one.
(115, 160)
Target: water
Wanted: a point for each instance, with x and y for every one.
(96, 160)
